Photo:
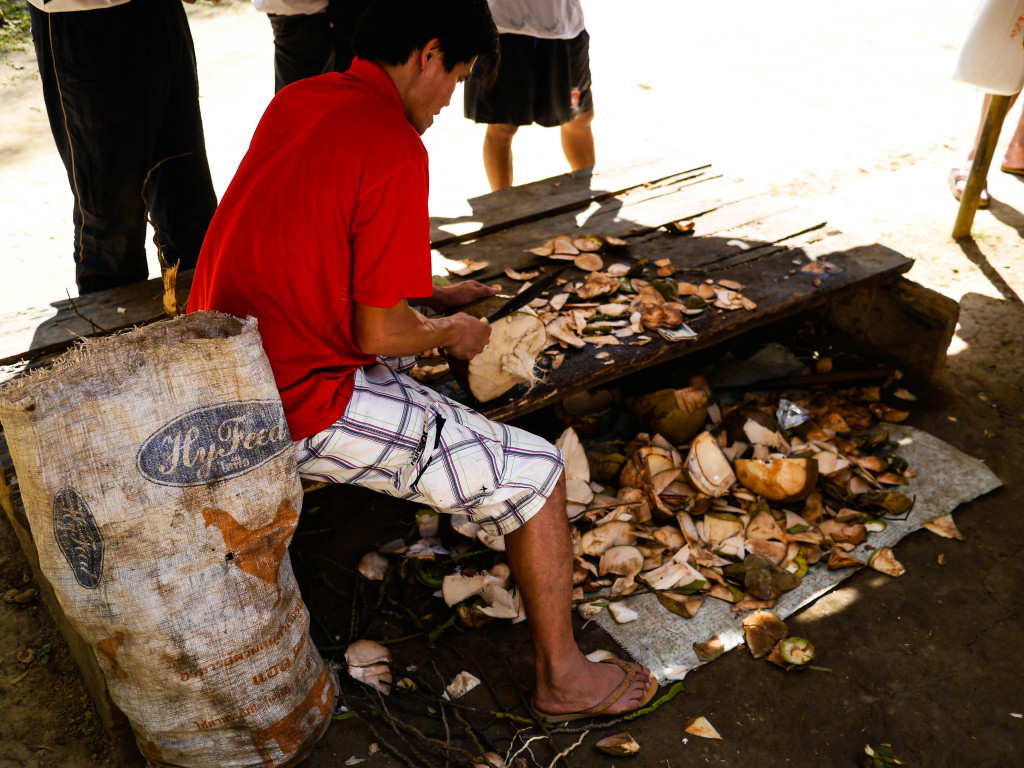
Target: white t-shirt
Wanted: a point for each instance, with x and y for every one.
(57, 6)
(290, 7)
(550, 19)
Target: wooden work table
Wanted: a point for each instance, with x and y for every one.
(756, 239)
(741, 234)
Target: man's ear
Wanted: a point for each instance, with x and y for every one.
(429, 51)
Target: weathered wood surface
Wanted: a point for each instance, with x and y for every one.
(542, 199)
(56, 327)
(755, 239)
(766, 273)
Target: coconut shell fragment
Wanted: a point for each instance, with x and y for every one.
(884, 561)
(373, 566)
(677, 414)
(710, 649)
(620, 745)
(837, 558)
(699, 726)
(588, 262)
(369, 662)
(792, 653)
(761, 631)
(681, 605)
(708, 468)
(944, 526)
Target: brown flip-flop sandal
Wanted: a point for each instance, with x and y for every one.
(601, 707)
(956, 176)
(1012, 171)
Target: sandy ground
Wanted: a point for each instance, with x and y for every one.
(850, 108)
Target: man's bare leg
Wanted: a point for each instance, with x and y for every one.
(540, 556)
(498, 154)
(578, 141)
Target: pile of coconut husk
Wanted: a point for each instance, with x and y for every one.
(620, 301)
(730, 505)
(707, 502)
(611, 300)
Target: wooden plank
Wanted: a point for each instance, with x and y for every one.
(777, 292)
(56, 327)
(899, 321)
(633, 215)
(568, 192)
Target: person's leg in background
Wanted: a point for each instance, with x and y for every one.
(94, 72)
(578, 141)
(577, 135)
(303, 47)
(180, 192)
(498, 154)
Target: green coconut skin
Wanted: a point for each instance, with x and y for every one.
(796, 651)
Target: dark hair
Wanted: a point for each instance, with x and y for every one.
(390, 31)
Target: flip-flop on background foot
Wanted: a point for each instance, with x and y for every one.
(958, 181)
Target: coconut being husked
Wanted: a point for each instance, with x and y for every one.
(510, 355)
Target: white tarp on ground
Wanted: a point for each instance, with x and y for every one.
(946, 479)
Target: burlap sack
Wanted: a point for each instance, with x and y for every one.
(159, 481)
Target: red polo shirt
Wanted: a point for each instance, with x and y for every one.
(328, 207)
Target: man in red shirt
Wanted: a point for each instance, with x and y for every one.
(323, 236)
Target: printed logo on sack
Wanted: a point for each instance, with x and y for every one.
(78, 536)
(215, 443)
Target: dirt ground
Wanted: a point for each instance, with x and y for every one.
(855, 114)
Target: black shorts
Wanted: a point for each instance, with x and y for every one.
(539, 81)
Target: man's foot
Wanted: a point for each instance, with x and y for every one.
(612, 687)
(958, 182)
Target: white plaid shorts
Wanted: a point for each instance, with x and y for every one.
(401, 438)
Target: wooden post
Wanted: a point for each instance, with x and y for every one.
(983, 152)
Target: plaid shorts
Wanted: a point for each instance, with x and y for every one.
(403, 439)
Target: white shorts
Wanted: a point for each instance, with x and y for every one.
(401, 438)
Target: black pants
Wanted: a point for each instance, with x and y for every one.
(121, 95)
(311, 44)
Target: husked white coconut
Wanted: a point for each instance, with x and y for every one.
(509, 357)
